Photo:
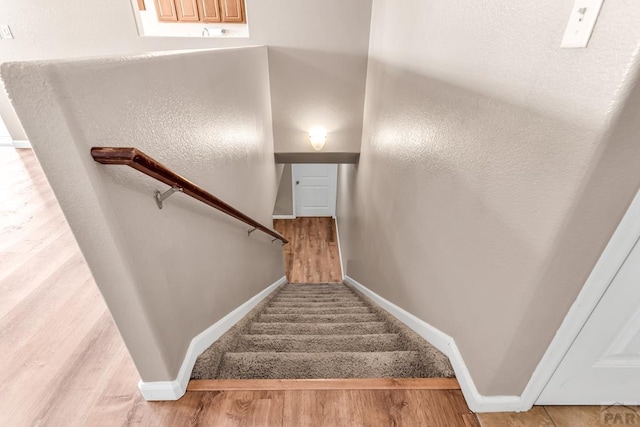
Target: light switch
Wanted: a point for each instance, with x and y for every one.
(581, 22)
(5, 32)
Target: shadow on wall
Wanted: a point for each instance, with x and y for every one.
(284, 199)
(481, 217)
(316, 88)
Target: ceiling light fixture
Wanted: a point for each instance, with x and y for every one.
(318, 137)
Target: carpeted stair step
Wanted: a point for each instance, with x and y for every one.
(359, 328)
(317, 318)
(315, 292)
(316, 299)
(314, 286)
(316, 295)
(317, 304)
(392, 364)
(316, 310)
(319, 343)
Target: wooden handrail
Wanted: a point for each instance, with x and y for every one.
(138, 160)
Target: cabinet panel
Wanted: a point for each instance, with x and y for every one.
(209, 10)
(232, 10)
(166, 10)
(187, 11)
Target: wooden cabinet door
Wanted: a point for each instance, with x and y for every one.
(209, 10)
(166, 10)
(187, 11)
(232, 10)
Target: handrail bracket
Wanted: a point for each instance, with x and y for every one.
(251, 231)
(161, 197)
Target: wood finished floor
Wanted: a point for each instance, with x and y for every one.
(311, 256)
(63, 362)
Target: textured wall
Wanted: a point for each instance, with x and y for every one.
(167, 274)
(318, 58)
(494, 168)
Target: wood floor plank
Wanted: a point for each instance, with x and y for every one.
(328, 384)
(312, 255)
(369, 408)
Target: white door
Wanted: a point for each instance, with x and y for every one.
(314, 189)
(602, 365)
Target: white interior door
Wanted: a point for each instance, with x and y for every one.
(602, 365)
(314, 189)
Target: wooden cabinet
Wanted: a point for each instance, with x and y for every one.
(209, 10)
(187, 11)
(232, 10)
(229, 11)
(166, 10)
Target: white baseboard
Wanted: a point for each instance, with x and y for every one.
(6, 141)
(173, 390)
(447, 345)
(284, 217)
(21, 144)
(344, 273)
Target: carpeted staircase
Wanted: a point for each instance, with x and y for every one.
(320, 331)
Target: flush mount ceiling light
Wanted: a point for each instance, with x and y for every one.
(318, 137)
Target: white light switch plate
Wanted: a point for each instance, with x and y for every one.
(581, 22)
(5, 32)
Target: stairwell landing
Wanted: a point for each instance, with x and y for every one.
(316, 331)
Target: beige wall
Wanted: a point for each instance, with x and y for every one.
(318, 57)
(494, 168)
(284, 199)
(167, 274)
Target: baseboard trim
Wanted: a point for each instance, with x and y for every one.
(344, 273)
(6, 141)
(21, 144)
(173, 390)
(327, 384)
(447, 345)
(284, 217)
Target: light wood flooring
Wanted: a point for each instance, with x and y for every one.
(311, 256)
(63, 362)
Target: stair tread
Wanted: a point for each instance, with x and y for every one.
(320, 298)
(316, 299)
(316, 295)
(319, 318)
(316, 310)
(317, 304)
(391, 364)
(290, 328)
(316, 291)
(319, 343)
